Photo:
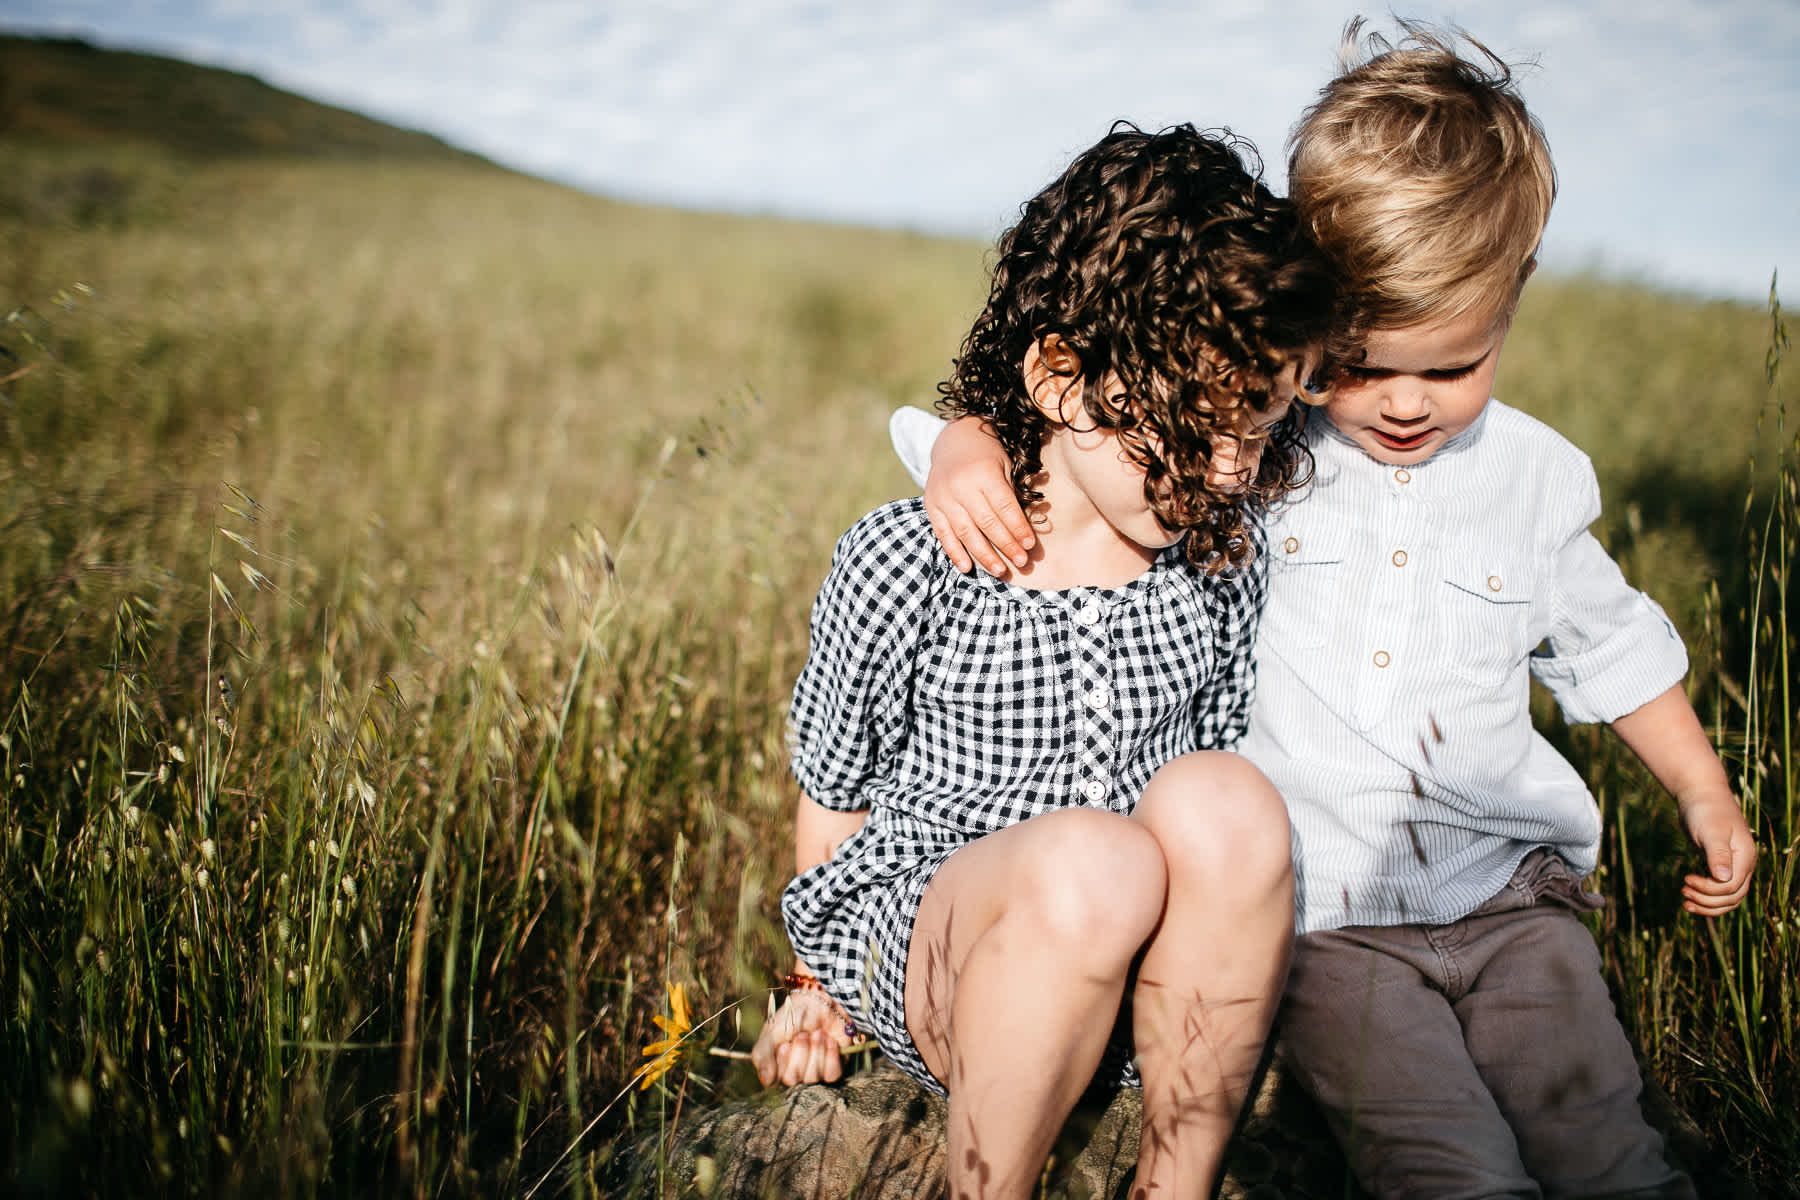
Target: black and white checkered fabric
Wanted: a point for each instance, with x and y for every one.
(954, 705)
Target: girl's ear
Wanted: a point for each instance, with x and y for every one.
(1053, 377)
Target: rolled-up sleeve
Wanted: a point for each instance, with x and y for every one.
(1611, 649)
(849, 705)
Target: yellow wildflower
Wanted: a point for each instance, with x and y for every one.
(668, 1051)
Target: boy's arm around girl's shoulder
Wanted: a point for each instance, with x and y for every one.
(968, 489)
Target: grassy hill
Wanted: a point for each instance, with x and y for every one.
(67, 92)
(403, 567)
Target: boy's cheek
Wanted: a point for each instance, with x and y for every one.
(1337, 410)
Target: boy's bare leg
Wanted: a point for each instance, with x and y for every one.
(1016, 970)
(1209, 982)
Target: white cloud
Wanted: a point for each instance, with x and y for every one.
(1671, 120)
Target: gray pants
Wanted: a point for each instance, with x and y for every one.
(1479, 1058)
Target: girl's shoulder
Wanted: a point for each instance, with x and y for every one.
(891, 552)
(1243, 582)
(898, 532)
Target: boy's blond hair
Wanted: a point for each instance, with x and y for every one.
(1424, 177)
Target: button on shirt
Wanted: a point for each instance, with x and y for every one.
(1408, 608)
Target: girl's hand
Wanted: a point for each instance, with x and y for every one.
(803, 1042)
(969, 498)
(1717, 826)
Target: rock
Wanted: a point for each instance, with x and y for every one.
(879, 1136)
(876, 1134)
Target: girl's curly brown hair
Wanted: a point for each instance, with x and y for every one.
(1161, 260)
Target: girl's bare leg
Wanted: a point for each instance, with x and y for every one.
(1207, 987)
(1016, 971)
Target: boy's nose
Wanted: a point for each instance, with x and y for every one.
(1404, 403)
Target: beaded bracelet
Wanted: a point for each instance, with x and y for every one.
(799, 981)
(796, 981)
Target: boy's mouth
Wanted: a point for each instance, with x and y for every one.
(1396, 441)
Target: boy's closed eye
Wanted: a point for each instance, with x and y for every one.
(1368, 374)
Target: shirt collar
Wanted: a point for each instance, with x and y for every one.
(1169, 561)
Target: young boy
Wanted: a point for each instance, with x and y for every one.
(1445, 1004)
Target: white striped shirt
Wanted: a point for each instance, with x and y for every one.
(1408, 608)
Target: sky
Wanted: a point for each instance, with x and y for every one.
(1674, 123)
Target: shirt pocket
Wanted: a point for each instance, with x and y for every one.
(1306, 564)
(1484, 617)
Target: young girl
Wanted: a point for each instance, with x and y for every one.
(1018, 825)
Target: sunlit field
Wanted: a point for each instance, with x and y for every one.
(402, 574)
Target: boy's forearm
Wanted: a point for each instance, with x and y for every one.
(966, 436)
(1668, 737)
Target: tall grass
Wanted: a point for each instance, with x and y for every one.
(395, 567)
(1717, 1003)
(402, 574)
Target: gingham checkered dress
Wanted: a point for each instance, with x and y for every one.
(952, 705)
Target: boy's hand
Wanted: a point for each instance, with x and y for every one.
(803, 1042)
(1667, 735)
(969, 498)
(1716, 825)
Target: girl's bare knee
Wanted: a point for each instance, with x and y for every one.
(1096, 881)
(1216, 816)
